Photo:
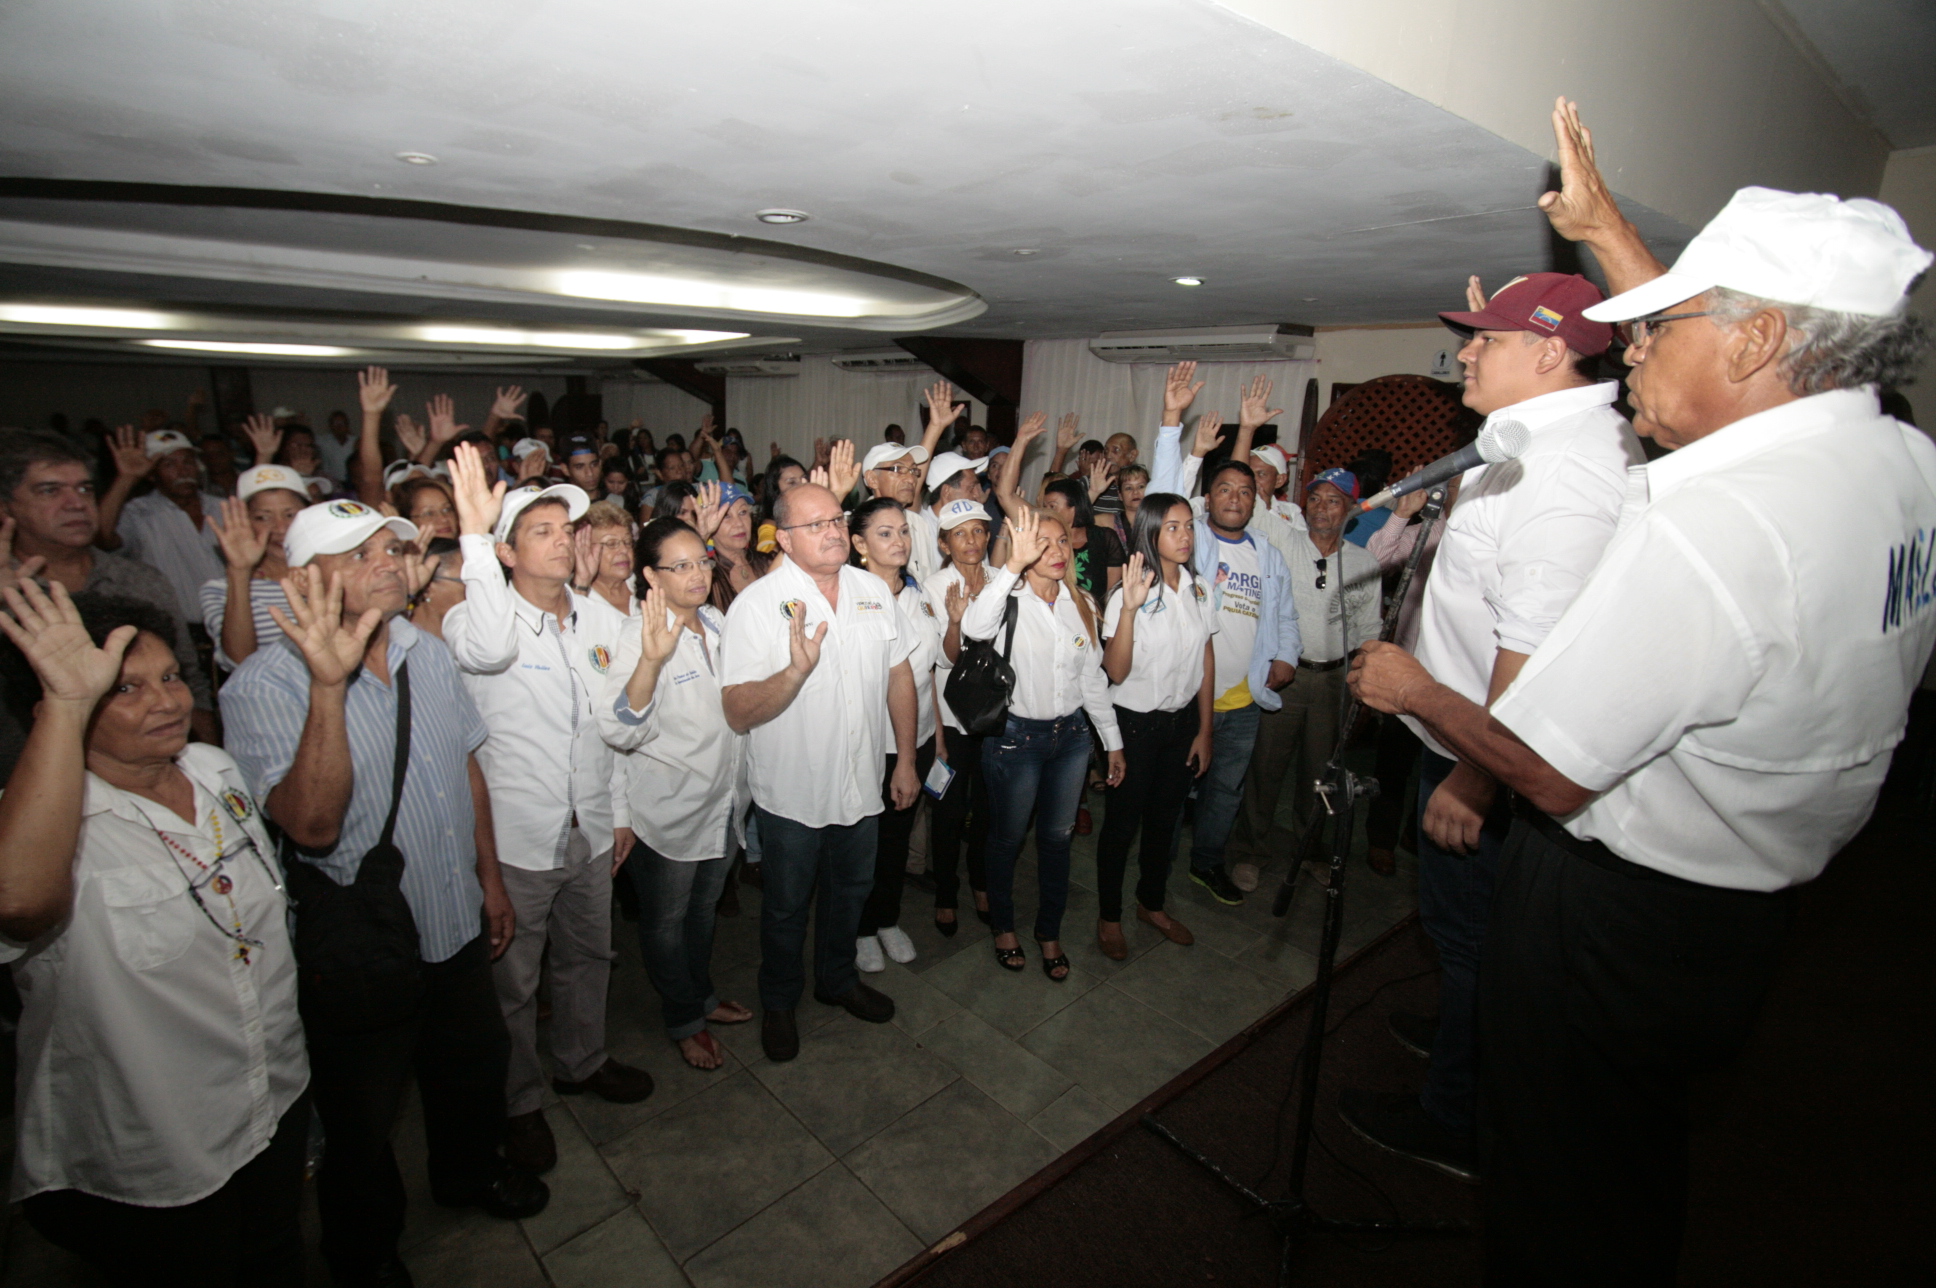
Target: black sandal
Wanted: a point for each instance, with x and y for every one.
(1010, 958)
(1050, 965)
(948, 928)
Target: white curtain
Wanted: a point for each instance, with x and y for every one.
(825, 402)
(1061, 376)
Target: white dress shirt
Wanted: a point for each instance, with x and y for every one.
(1734, 676)
(926, 628)
(936, 590)
(1523, 538)
(154, 1061)
(1347, 612)
(537, 682)
(684, 767)
(1166, 650)
(924, 544)
(160, 534)
(820, 761)
(1057, 662)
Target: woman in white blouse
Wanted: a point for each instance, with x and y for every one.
(161, 1105)
(1160, 668)
(683, 778)
(879, 531)
(961, 815)
(235, 608)
(1037, 762)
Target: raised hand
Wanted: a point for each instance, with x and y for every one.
(509, 404)
(1209, 433)
(705, 434)
(443, 419)
(1030, 430)
(842, 472)
(478, 501)
(1068, 431)
(1475, 295)
(1256, 408)
(1178, 392)
(803, 650)
(263, 436)
(1098, 481)
(821, 451)
(1138, 581)
(241, 548)
(1583, 206)
(533, 466)
(774, 455)
(332, 650)
(584, 557)
(958, 600)
(374, 390)
(14, 571)
(942, 411)
(658, 637)
(1025, 542)
(710, 512)
(46, 627)
(418, 570)
(413, 436)
(131, 459)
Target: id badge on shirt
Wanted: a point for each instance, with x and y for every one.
(940, 774)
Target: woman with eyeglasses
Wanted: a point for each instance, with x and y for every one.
(235, 607)
(427, 503)
(961, 815)
(1160, 668)
(661, 708)
(740, 565)
(1035, 765)
(161, 1102)
(604, 547)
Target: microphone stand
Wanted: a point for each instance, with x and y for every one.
(1339, 791)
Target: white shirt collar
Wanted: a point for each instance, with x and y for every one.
(1752, 435)
(1548, 409)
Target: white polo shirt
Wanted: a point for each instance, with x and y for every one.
(926, 627)
(924, 543)
(936, 590)
(1523, 537)
(1734, 675)
(684, 767)
(1058, 664)
(820, 761)
(536, 682)
(1166, 653)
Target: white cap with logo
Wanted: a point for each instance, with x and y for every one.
(881, 453)
(526, 446)
(949, 464)
(520, 499)
(1804, 248)
(397, 471)
(1272, 455)
(160, 442)
(960, 511)
(264, 478)
(337, 527)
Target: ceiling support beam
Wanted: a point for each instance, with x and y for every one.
(990, 371)
(684, 374)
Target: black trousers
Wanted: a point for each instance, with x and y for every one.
(1398, 749)
(883, 906)
(248, 1233)
(961, 815)
(1156, 780)
(459, 1050)
(1605, 987)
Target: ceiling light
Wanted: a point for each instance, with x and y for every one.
(416, 158)
(685, 292)
(1029, 251)
(780, 215)
(60, 315)
(263, 350)
(1187, 281)
(504, 337)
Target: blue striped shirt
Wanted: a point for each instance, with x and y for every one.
(264, 705)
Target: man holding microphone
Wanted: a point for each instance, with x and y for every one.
(1712, 716)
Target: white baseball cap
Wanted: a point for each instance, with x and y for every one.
(949, 464)
(1272, 455)
(265, 478)
(1804, 248)
(284, 413)
(397, 471)
(881, 453)
(160, 442)
(520, 499)
(961, 511)
(525, 446)
(336, 527)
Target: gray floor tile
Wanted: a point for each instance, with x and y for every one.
(933, 946)
(829, 1233)
(852, 1078)
(1012, 1001)
(996, 1063)
(713, 1160)
(1203, 991)
(1117, 1048)
(583, 1190)
(493, 1254)
(988, 1150)
(621, 1250)
(1072, 1118)
(918, 1005)
(1279, 959)
(644, 1046)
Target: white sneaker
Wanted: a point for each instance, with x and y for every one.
(1244, 876)
(898, 945)
(867, 955)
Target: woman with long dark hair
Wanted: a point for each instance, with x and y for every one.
(1096, 551)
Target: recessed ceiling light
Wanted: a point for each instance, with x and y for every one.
(685, 292)
(1187, 281)
(505, 337)
(416, 158)
(264, 350)
(1310, 299)
(1025, 251)
(777, 215)
(66, 315)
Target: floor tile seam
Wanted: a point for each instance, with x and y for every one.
(897, 1118)
(683, 1262)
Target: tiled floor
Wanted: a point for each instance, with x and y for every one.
(879, 1139)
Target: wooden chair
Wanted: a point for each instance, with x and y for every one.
(1415, 418)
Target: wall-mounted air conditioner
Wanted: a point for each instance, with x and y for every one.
(750, 367)
(894, 362)
(1264, 343)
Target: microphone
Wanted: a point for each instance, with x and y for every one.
(1500, 440)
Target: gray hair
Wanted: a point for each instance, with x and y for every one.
(20, 449)
(1830, 350)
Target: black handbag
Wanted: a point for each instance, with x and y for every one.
(982, 682)
(358, 960)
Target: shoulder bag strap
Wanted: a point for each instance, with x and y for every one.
(402, 766)
(1008, 619)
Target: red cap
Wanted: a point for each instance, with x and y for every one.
(1545, 304)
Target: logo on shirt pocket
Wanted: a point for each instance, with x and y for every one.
(601, 658)
(1197, 588)
(793, 608)
(237, 804)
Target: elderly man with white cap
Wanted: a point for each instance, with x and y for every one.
(535, 656)
(359, 739)
(1711, 718)
(894, 471)
(174, 527)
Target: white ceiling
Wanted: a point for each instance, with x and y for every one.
(1126, 143)
(1884, 54)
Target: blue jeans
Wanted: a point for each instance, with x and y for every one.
(676, 901)
(1033, 765)
(1221, 791)
(1454, 907)
(840, 860)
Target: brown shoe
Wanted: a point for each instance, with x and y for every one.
(1173, 930)
(1109, 938)
(528, 1143)
(619, 1083)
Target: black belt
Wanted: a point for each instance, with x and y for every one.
(1596, 853)
(1306, 664)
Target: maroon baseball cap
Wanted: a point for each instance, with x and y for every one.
(1545, 304)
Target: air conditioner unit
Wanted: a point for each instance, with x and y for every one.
(1207, 344)
(750, 367)
(894, 362)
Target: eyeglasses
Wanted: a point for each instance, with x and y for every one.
(1321, 567)
(817, 527)
(613, 543)
(1640, 330)
(905, 471)
(685, 566)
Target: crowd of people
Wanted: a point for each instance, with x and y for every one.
(329, 754)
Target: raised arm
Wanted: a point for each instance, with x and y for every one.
(312, 798)
(1008, 480)
(1583, 210)
(374, 392)
(483, 630)
(1119, 653)
(1068, 432)
(941, 414)
(1255, 413)
(752, 704)
(508, 407)
(242, 550)
(131, 464)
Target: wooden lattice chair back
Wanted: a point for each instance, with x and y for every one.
(1415, 418)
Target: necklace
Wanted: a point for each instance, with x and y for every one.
(216, 878)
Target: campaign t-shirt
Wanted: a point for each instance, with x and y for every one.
(1237, 595)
